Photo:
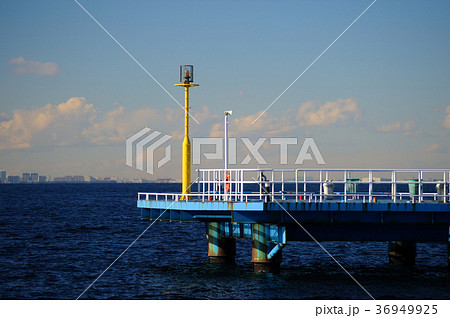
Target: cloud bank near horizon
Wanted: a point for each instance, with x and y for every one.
(77, 123)
(72, 123)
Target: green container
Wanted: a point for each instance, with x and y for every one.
(352, 185)
(413, 187)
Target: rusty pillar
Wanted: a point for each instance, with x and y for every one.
(402, 253)
(220, 249)
(260, 252)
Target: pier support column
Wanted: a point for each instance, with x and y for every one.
(402, 253)
(220, 249)
(260, 252)
(448, 250)
(448, 256)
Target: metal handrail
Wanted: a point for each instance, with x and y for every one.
(233, 185)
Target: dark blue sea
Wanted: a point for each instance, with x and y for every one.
(56, 239)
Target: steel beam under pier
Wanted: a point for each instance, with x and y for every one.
(402, 253)
(220, 249)
(266, 256)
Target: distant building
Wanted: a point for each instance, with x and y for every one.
(165, 180)
(70, 179)
(13, 179)
(63, 179)
(26, 177)
(78, 179)
(107, 179)
(2, 175)
(34, 177)
(42, 179)
(90, 179)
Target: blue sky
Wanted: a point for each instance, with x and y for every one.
(379, 97)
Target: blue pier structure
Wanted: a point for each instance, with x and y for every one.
(272, 207)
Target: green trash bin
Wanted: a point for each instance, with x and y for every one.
(414, 186)
(352, 185)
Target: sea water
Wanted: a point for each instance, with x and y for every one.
(56, 239)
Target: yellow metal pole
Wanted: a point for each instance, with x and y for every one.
(186, 173)
(186, 164)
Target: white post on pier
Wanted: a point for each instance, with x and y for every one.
(227, 175)
(227, 113)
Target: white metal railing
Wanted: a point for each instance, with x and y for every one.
(315, 185)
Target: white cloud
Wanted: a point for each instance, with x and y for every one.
(395, 127)
(3, 117)
(434, 148)
(22, 66)
(408, 128)
(117, 125)
(266, 125)
(78, 123)
(47, 125)
(75, 122)
(308, 114)
(446, 122)
(438, 148)
(332, 112)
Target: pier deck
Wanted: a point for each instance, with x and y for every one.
(381, 221)
(375, 208)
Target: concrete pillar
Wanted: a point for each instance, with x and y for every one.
(260, 250)
(402, 253)
(220, 249)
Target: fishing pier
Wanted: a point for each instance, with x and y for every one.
(272, 207)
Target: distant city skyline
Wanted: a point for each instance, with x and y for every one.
(378, 98)
(35, 177)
